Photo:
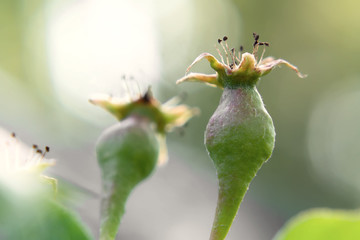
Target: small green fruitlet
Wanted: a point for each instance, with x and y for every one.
(240, 135)
(129, 151)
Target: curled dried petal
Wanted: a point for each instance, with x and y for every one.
(209, 79)
(214, 63)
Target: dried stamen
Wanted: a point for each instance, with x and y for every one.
(228, 49)
(256, 43)
(47, 149)
(138, 87)
(128, 93)
(233, 55)
(266, 44)
(217, 49)
(241, 49)
(227, 56)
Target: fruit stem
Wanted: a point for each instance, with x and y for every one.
(113, 207)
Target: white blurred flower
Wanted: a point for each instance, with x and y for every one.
(93, 43)
(21, 167)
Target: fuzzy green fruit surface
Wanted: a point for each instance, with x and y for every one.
(127, 154)
(239, 138)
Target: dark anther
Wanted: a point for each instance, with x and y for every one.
(47, 149)
(264, 43)
(256, 36)
(236, 62)
(256, 43)
(39, 151)
(241, 48)
(219, 40)
(146, 98)
(231, 66)
(233, 50)
(13, 134)
(34, 146)
(225, 38)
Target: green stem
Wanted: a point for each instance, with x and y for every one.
(232, 189)
(113, 207)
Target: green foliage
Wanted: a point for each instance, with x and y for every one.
(37, 217)
(322, 224)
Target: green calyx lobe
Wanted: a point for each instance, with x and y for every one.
(245, 75)
(127, 154)
(239, 138)
(239, 80)
(145, 106)
(165, 116)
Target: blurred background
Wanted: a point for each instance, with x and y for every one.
(55, 54)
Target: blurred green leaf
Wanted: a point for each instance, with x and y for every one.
(38, 218)
(322, 224)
